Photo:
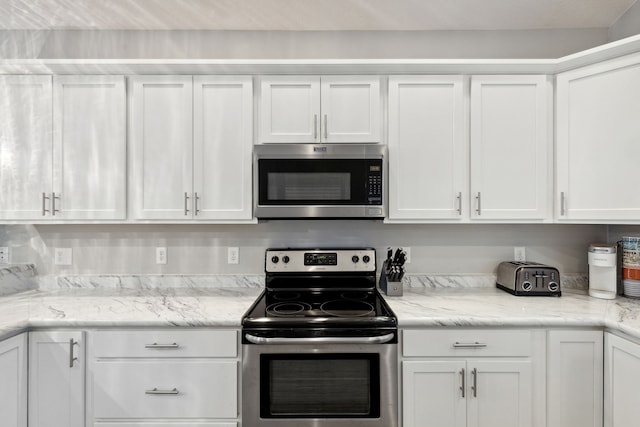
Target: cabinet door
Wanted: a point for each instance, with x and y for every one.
(223, 132)
(433, 393)
(510, 140)
(162, 146)
(499, 393)
(89, 174)
(622, 376)
(427, 149)
(597, 142)
(350, 107)
(13, 391)
(56, 379)
(575, 379)
(25, 146)
(290, 109)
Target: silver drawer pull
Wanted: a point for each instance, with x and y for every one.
(156, 391)
(469, 344)
(157, 346)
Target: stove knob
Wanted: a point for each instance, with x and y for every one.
(366, 259)
(285, 259)
(275, 259)
(355, 259)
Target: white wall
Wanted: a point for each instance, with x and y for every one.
(627, 25)
(202, 249)
(298, 44)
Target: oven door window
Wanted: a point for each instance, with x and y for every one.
(316, 182)
(320, 386)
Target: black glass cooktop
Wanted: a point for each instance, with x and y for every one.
(326, 308)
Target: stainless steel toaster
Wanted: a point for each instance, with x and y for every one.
(528, 279)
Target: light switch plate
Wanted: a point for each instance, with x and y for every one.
(62, 256)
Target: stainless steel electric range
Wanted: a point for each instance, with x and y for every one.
(320, 343)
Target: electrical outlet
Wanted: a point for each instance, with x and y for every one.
(62, 256)
(4, 255)
(161, 255)
(233, 255)
(407, 251)
(519, 254)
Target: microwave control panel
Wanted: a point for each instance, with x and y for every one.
(374, 183)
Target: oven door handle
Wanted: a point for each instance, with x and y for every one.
(321, 340)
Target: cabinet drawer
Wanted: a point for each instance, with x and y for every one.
(165, 389)
(165, 424)
(165, 343)
(466, 342)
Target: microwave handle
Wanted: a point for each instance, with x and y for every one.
(321, 340)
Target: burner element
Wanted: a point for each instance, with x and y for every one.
(286, 296)
(289, 308)
(347, 308)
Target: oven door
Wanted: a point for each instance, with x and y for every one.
(335, 182)
(320, 383)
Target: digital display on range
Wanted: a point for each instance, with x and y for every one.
(324, 258)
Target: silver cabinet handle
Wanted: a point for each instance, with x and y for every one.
(196, 198)
(157, 346)
(53, 204)
(72, 359)
(186, 203)
(315, 126)
(320, 340)
(459, 202)
(462, 378)
(469, 344)
(479, 206)
(474, 387)
(326, 131)
(156, 391)
(562, 202)
(44, 204)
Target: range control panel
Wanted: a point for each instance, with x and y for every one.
(330, 260)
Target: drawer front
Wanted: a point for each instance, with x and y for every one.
(165, 424)
(165, 343)
(165, 389)
(466, 342)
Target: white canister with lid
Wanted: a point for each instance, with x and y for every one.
(603, 261)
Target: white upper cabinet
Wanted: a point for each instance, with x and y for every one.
(162, 146)
(192, 142)
(89, 147)
(598, 142)
(26, 148)
(222, 162)
(428, 166)
(510, 144)
(63, 148)
(312, 109)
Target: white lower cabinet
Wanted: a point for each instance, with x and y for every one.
(56, 379)
(483, 378)
(13, 386)
(158, 378)
(575, 378)
(621, 379)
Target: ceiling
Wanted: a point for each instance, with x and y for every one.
(310, 15)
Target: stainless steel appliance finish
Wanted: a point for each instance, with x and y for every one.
(320, 344)
(320, 181)
(528, 279)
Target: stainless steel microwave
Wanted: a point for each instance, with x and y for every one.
(320, 181)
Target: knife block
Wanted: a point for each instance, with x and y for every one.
(392, 289)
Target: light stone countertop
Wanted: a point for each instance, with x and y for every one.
(224, 307)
